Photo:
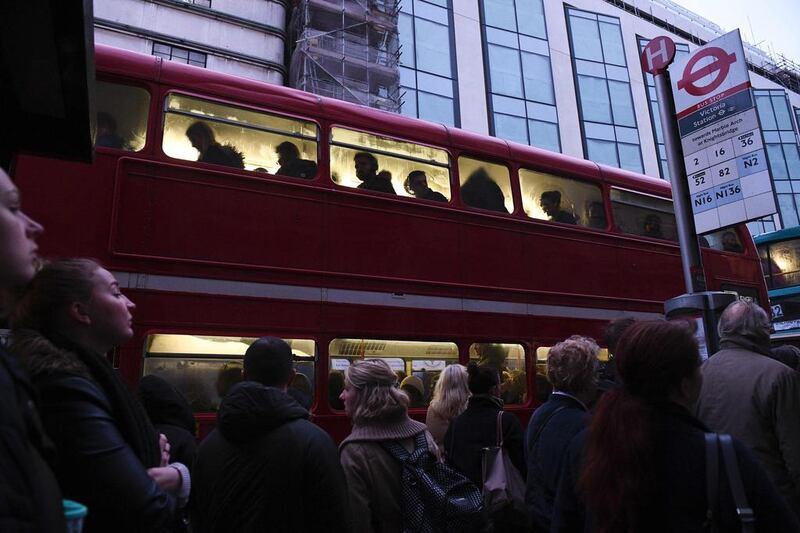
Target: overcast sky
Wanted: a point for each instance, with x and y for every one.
(772, 25)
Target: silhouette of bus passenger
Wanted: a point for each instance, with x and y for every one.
(481, 191)
(291, 164)
(652, 227)
(596, 215)
(211, 151)
(107, 132)
(367, 172)
(550, 202)
(416, 184)
(730, 243)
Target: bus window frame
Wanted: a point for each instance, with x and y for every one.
(605, 196)
(247, 106)
(613, 221)
(151, 131)
(330, 143)
(147, 333)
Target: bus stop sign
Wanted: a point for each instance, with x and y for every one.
(718, 69)
(658, 54)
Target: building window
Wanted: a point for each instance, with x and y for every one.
(782, 152)
(427, 73)
(681, 50)
(605, 103)
(203, 3)
(522, 105)
(181, 55)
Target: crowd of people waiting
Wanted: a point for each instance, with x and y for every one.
(631, 450)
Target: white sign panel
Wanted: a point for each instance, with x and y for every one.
(723, 148)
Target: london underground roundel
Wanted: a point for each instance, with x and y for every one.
(718, 69)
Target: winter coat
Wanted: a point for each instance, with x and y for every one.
(94, 463)
(30, 499)
(475, 429)
(679, 502)
(437, 425)
(267, 468)
(374, 476)
(756, 399)
(378, 184)
(171, 415)
(545, 452)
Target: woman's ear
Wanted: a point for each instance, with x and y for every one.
(79, 313)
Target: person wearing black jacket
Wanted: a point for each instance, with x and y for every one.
(266, 467)
(641, 463)
(476, 428)
(108, 455)
(572, 370)
(30, 499)
(171, 415)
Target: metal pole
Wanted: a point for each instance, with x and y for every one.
(690, 250)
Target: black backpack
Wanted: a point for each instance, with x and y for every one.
(436, 498)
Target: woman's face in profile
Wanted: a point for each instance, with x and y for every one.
(110, 310)
(18, 233)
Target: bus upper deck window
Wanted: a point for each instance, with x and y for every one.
(557, 199)
(726, 240)
(509, 361)
(210, 132)
(203, 368)
(121, 116)
(643, 215)
(417, 365)
(485, 185)
(381, 164)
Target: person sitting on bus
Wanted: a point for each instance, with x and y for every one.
(203, 140)
(107, 132)
(596, 215)
(550, 202)
(367, 172)
(481, 191)
(416, 185)
(335, 388)
(415, 390)
(108, 454)
(300, 389)
(291, 164)
(652, 227)
(266, 467)
(730, 242)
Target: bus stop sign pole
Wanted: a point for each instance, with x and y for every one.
(697, 302)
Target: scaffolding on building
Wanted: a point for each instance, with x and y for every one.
(347, 49)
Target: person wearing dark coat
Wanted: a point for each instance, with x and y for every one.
(367, 171)
(572, 370)
(291, 164)
(481, 191)
(171, 415)
(476, 428)
(266, 467)
(203, 140)
(30, 499)
(416, 184)
(108, 455)
(641, 463)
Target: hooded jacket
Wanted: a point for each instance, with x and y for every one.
(267, 468)
(171, 415)
(756, 399)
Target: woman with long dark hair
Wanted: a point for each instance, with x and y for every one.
(640, 466)
(108, 455)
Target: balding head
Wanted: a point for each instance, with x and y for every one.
(744, 319)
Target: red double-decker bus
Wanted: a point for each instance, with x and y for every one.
(230, 209)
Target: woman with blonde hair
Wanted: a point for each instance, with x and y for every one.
(379, 412)
(450, 396)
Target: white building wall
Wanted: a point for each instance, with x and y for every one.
(231, 45)
(471, 73)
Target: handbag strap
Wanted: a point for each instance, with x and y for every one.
(743, 509)
(499, 438)
(712, 481)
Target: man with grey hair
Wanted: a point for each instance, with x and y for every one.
(753, 397)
